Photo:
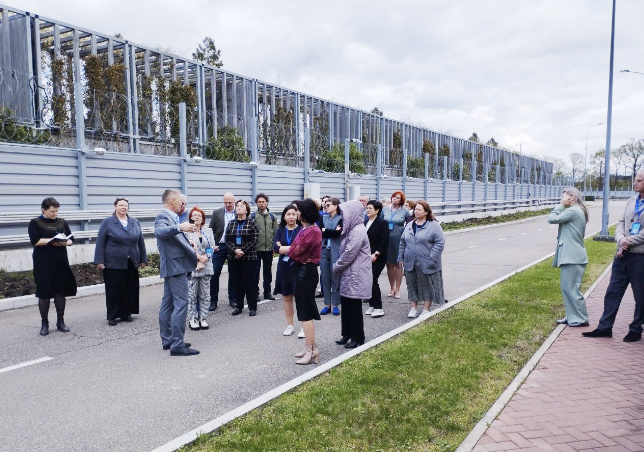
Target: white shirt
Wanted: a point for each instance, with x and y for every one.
(228, 217)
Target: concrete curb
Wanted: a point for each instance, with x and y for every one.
(481, 427)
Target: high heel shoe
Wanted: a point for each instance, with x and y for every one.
(311, 354)
(303, 352)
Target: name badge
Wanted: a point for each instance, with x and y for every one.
(328, 243)
(285, 258)
(635, 228)
(238, 240)
(391, 225)
(209, 252)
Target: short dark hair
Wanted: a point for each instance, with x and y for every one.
(116, 201)
(49, 202)
(261, 195)
(245, 203)
(291, 206)
(377, 205)
(308, 210)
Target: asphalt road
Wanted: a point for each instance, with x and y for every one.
(114, 388)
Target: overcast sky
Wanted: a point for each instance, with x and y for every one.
(530, 72)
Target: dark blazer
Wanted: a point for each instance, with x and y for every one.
(177, 255)
(116, 244)
(378, 235)
(217, 224)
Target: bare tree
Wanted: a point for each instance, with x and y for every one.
(577, 170)
(632, 154)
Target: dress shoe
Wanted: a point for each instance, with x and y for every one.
(44, 329)
(127, 319)
(598, 333)
(252, 312)
(112, 322)
(353, 344)
(343, 341)
(61, 326)
(319, 295)
(578, 324)
(236, 311)
(268, 296)
(167, 347)
(213, 307)
(562, 321)
(184, 351)
(632, 337)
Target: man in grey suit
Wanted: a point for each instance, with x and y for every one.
(178, 258)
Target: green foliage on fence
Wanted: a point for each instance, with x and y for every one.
(228, 146)
(333, 161)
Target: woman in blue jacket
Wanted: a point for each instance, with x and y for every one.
(331, 230)
(120, 252)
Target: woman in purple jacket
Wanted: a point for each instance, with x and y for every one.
(354, 266)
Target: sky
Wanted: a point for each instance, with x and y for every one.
(533, 75)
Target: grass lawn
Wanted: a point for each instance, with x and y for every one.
(424, 390)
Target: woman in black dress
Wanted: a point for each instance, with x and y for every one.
(49, 236)
(284, 280)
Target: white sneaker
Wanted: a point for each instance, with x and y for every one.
(369, 311)
(289, 330)
(378, 313)
(300, 335)
(194, 324)
(425, 313)
(203, 324)
(413, 313)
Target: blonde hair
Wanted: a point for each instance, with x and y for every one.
(579, 199)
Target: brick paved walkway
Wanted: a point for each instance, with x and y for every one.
(584, 395)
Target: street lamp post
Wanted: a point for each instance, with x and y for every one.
(586, 159)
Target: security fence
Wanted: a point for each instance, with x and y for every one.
(62, 85)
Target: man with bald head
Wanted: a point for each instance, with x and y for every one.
(219, 223)
(628, 267)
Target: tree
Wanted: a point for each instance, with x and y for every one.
(492, 142)
(632, 154)
(208, 53)
(474, 138)
(577, 170)
(376, 111)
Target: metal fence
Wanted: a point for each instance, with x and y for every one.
(66, 86)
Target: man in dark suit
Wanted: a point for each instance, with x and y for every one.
(218, 223)
(178, 258)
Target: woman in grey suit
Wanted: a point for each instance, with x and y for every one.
(570, 256)
(120, 251)
(203, 241)
(421, 247)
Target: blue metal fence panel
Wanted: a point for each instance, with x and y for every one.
(282, 184)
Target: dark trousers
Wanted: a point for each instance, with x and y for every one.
(121, 292)
(264, 259)
(242, 273)
(218, 260)
(376, 268)
(351, 319)
(628, 269)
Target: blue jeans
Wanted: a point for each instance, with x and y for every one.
(627, 269)
(218, 260)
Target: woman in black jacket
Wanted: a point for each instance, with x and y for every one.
(378, 233)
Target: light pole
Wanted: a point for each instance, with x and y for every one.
(586, 160)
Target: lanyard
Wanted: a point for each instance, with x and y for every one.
(289, 238)
(419, 227)
(639, 208)
(239, 227)
(394, 213)
(205, 237)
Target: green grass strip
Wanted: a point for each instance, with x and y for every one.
(473, 222)
(423, 390)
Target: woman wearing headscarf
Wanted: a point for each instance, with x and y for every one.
(50, 236)
(354, 267)
(395, 215)
(570, 255)
(420, 250)
(120, 252)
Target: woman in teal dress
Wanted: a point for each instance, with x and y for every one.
(395, 215)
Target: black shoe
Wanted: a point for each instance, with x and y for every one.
(353, 344)
(598, 333)
(252, 312)
(44, 329)
(213, 307)
(112, 322)
(632, 337)
(184, 351)
(268, 296)
(232, 303)
(236, 311)
(167, 347)
(127, 319)
(62, 327)
(320, 295)
(343, 341)
(578, 324)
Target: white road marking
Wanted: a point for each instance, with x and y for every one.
(523, 233)
(470, 247)
(503, 238)
(25, 364)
